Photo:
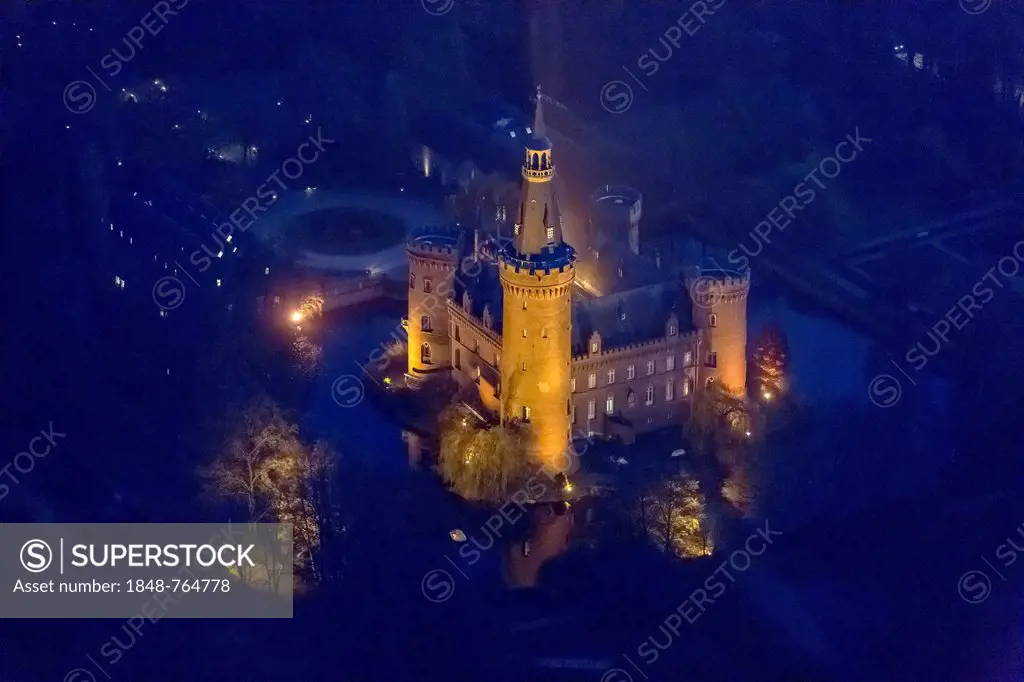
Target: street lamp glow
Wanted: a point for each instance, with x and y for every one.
(296, 316)
(767, 395)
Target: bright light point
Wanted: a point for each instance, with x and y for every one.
(218, 282)
(767, 395)
(278, 102)
(457, 535)
(401, 189)
(296, 316)
(67, 127)
(228, 240)
(220, 254)
(748, 434)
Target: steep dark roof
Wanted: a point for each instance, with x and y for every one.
(603, 273)
(484, 289)
(647, 311)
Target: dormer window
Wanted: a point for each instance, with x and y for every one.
(622, 313)
(672, 329)
(593, 347)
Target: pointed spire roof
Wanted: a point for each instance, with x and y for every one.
(539, 131)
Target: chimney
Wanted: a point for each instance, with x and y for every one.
(476, 243)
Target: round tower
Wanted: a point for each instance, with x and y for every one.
(433, 262)
(537, 270)
(719, 303)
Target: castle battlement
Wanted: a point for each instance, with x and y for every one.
(619, 352)
(434, 242)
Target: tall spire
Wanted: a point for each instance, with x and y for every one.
(539, 130)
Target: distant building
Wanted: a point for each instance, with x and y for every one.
(519, 327)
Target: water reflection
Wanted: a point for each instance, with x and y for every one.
(546, 533)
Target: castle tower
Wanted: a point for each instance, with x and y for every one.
(433, 264)
(719, 299)
(537, 272)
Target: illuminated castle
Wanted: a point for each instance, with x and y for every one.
(505, 318)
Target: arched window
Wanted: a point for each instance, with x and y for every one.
(425, 324)
(687, 386)
(630, 398)
(650, 394)
(536, 162)
(425, 354)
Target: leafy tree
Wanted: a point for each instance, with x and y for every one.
(240, 473)
(308, 356)
(481, 464)
(770, 362)
(717, 426)
(302, 494)
(677, 519)
(671, 513)
(312, 307)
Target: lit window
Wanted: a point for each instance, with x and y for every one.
(426, 285)
(609, 404)
(712, 359)
(670, 363)
(631, 372)
(266, 271)
(524, 332)
(650, 367)
(529, 130)
(218, 281)
(687, 386)
(572, 385)
(593, 347)
(544, 333)
(650, 394)
(524, 366)
(512, 133)
(526, 413)
(670, 391)
(591, 409)
(551, 234)
(611, 376)
(592, 381)
(425, 324)
(671, 330)
(688, 358)
(515, 230)
(712, 320)
(425, 354)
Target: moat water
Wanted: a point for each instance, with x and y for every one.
(407, 515)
